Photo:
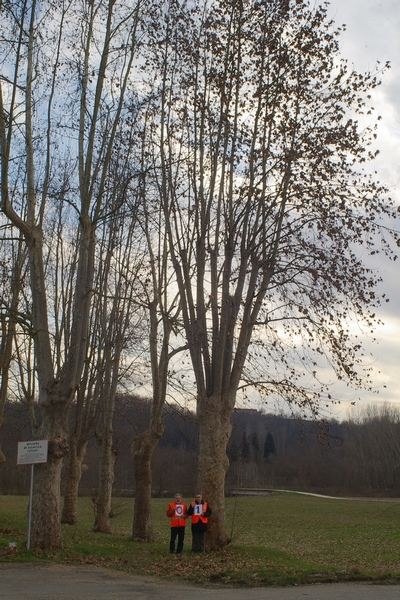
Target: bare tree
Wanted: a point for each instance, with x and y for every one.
(265, 212)
(120, 331)
(68, 67)
(375, 449)
(13, 264)
(8, 307)
(161, 305)
(114, 330)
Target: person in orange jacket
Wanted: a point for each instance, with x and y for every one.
(199, 510)
(177, 512)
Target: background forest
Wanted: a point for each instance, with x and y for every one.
(358, 457)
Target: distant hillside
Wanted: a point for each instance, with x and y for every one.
(265, 451)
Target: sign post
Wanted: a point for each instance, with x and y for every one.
(31, 453)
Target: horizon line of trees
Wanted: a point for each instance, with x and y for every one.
(356, 457)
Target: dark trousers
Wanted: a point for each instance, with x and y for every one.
(177, 532)
(198, 540)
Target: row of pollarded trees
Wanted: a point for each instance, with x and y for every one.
(190, 169)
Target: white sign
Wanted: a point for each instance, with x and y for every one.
(30, 453)
(178, 510)
(198, 509)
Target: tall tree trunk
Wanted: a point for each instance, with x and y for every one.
(214, 433)
(106, 479)
(143, 447)
(46, 506)
(74, 473)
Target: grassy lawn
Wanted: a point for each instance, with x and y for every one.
(282, 539)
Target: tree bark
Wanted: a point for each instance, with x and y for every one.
(143, 447)
(106, 479)
(74, 474)
(46, 506)
(214, 432)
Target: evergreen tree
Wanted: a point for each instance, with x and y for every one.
(269, 446)
(255, 447)
(245, 453)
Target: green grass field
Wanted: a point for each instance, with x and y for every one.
(282, 539)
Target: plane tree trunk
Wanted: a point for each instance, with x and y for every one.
(76, 455)
(107, 458)
(143, 447)
(46, 506)
(213, 463)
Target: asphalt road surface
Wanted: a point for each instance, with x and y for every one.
(59, 582)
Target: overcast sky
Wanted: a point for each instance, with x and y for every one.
(372, 34)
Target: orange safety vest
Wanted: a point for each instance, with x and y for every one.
(177, 514)
(197, 518)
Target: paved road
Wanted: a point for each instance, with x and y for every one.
(59, 582)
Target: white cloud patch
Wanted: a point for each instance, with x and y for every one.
(373, 34)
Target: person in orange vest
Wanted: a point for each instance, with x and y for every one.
(199, 510)
(177, 512)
